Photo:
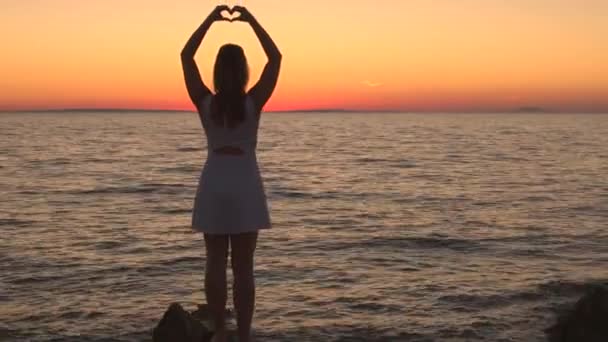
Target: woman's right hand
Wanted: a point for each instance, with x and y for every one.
(245, 15)
(216, 14)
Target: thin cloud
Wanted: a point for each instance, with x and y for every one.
(372, 84)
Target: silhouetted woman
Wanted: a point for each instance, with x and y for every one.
(230, 205)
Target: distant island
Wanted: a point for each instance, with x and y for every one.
(332, 111)
(97, 110)
(128, 110)
(530, 109)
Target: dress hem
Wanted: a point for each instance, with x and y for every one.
(197, 229)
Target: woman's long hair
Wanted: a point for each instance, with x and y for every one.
(230, 78)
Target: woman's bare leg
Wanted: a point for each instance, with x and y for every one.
(243, 248)
(215, 281)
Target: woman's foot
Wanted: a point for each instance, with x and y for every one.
(250, 339)
(219, 336)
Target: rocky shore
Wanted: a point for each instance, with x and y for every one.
(585, 321)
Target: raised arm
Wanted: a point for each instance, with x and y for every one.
(197, 90)
(262, 90)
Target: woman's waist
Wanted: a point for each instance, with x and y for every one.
(215, 143)
(231, 150)
(228, 167)
(236, 159)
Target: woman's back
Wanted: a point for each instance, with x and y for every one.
(243, 136)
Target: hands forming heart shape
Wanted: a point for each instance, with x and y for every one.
(236, 13)
(231, 14)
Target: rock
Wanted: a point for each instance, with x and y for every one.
(178, 325)
(586, 322)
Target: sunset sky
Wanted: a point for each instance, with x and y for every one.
(411, 55)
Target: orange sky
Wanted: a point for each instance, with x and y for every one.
(419, 55)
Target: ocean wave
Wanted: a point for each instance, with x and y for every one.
(188, 169)
(371, 160)
(34, 278)
(157, 188)
(359, 304)
(388, 244)
(81, 314)
(553, 293)
(189, 149)
(473, 302)
(16, 223)
(176, 211)
(188, 260)
(569, 288)
(111, 244)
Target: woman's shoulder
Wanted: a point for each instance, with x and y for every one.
(205, 103)
(250, 104)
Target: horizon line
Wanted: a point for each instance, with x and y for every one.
(524, 109)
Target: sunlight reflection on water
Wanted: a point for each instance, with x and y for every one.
(386, 227)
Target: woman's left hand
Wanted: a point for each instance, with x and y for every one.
(216, 14)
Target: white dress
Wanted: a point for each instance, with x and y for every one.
(230, 198)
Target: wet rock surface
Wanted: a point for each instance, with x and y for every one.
(586, 321)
